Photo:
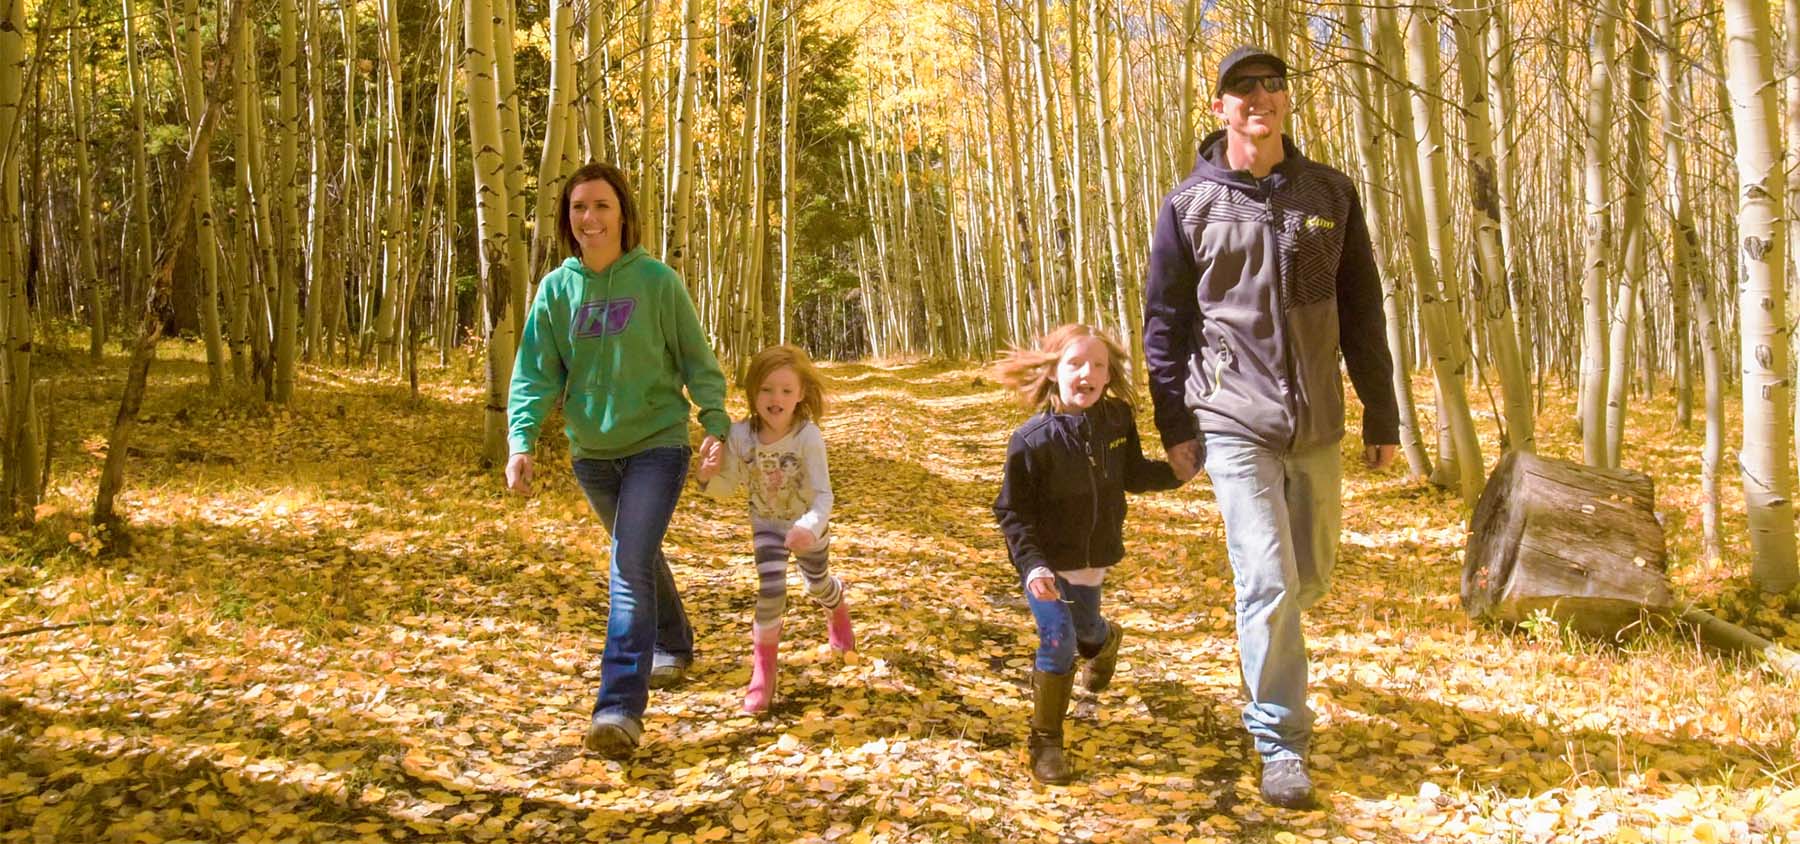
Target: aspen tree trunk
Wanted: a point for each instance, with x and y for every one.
(593, 71)
(1127, 298)
(287, 297)
(1077, 183)
(491, 208)
(1422, 182)
(1684, 265)
(1028, 274)
(1050, 131)
(1001, 233)
(1631, 281)
(1790, 18)
(139, 250)
(754, 229)
(1493, 299)
(1190, 61)
(680, 233)
(648, 188)
(553, 167)
(1762, 299)
(1501, 99)
(23, 461)
(205, 237)
(426, 259)
(254, 257)
(395, 155)
(175, 234)
(1597, 130)
(321, 281)
(996, 210)
(1375, 199)
(449, 321)
(787, 166)
(1422, 34)
(85, 219)
(351, 194)
(1275, 25)
(518, 258)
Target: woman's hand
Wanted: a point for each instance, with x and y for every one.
(518, 474)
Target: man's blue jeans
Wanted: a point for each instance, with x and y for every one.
(635, 496)
(1064, 624)
(1281, 513)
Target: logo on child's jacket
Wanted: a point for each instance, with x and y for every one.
(1320, 223)
(596, 319)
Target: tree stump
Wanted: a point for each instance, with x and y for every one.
(1580, 543)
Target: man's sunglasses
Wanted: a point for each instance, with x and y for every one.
(1242, 86)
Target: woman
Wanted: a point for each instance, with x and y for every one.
(614, 336)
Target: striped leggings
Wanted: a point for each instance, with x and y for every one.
(771, 573)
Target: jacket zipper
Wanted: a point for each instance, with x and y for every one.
(1287, 357)
(1087, 444)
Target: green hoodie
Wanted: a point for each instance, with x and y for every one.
(615, 346)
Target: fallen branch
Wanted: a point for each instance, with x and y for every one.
(49, 627)
(1727, 636)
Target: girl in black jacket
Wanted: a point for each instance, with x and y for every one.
(1062, 509)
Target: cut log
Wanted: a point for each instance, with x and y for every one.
(1580, 543)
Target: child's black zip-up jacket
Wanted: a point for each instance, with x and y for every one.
(1062, 499)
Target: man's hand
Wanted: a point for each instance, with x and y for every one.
(518, 474)
(1184, 458)
(1379, 457)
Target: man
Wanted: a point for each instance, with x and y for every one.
(1260, 274)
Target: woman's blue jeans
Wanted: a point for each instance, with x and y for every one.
(635, 496)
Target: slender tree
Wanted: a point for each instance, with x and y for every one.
(1765, 459)
(491, 208)
(1472, 20)
(1631, 280)
(1597, 135)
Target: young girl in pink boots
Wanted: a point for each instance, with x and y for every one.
(780, 455)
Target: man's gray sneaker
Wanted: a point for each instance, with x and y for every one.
(1286, 784)
(613, 736)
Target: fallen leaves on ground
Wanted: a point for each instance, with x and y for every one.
(347, 631)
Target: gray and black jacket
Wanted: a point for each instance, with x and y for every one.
(1254, 286)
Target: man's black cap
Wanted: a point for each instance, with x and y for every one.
(1242, 56)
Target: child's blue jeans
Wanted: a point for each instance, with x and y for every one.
(1064, 624)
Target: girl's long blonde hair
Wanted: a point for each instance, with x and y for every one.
(1031, 373)
(812, 405)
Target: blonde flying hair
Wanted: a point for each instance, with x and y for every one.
(1031, 373)
(812, 405)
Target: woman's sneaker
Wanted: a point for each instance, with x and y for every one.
(612, 735)
(668, 670)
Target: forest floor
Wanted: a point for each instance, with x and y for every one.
(334, 626)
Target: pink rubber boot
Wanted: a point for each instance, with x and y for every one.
(838, 629)
(765, 642)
